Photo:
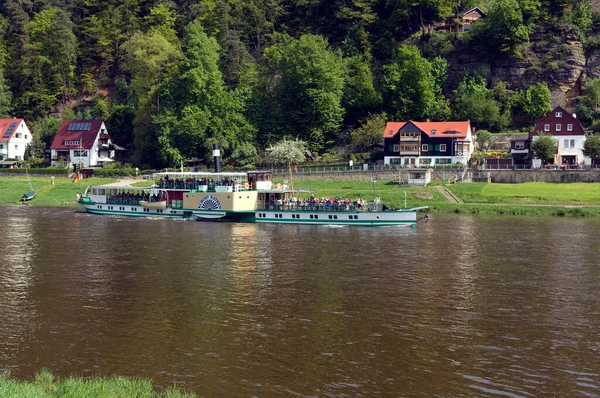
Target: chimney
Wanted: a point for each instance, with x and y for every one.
(428, 120)
(217, 157)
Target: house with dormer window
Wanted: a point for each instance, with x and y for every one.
(565, 129)
(426, 144)
(82, 142)
(14, 138)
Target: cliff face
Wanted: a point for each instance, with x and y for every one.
(554, 55)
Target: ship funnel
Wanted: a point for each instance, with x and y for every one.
(217, 157)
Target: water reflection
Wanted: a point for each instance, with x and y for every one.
(461, 305)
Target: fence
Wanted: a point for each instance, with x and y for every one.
(362, 169)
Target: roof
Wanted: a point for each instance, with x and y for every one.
(441, 129)
(8, 128)
(83, 131)
(476, 9)
(552, 121)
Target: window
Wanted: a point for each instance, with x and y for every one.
(558, 114)
(566, 143)
(71, 143)
(1, 146)
(558, 127)
(424, 147)
(16, 147)
(25, 136)
(396, 148)
(546, 127)
(569, 127)
(572, 143)
(433, 132)
(442, 147)
(520, 145)
(80, 153)
(409, 147)
(17, 135)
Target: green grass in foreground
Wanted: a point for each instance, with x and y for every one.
(62, 193)
(46, 385)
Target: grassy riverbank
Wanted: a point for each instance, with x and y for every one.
(47, 386)
(534, 198)
(61, 194)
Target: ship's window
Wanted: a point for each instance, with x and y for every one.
(316, 216)
(335, 217)
(356, 217)
(350, 217)
(330, 217)
(311, 216)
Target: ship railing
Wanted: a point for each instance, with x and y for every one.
(129, 200)
(202, 186)
(313, 207)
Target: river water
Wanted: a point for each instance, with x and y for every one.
(460, 306)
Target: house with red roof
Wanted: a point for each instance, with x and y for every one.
(14, 138)
(426, 144)
(82, 142)
(562, 127)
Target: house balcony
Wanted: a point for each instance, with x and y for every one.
(513, 151)
(409, 153)
(61, 158)
(409, 139)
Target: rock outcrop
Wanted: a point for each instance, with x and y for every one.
(554, 55)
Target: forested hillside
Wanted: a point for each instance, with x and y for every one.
(173, 77)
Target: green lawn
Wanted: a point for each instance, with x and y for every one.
(62, 193)
(529, 193)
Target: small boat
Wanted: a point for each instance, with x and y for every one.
(154, 205)
(28, 196)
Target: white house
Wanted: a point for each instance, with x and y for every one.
(84, 142)
(569, 134)
(14, 138)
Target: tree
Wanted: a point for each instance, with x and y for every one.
(484, 139)
(360, 94)
(591, 148)
(370, 133)
(544, 148)
(5, 96)
(245, 155)
(408, 85)
(34, 152)
(288, 151)
(148, 58)
(505, 27)
(49, 61)
(475, 102)
(588, 105)
(534, 102)
(308, 84)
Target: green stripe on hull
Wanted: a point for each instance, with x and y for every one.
(374, 223)
(132, 213)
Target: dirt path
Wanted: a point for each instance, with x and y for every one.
(449, 195)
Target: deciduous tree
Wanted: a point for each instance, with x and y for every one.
(544, 148)
(408, 85)
(591, 148)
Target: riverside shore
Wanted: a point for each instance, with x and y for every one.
(45, 384)
(535, 198)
